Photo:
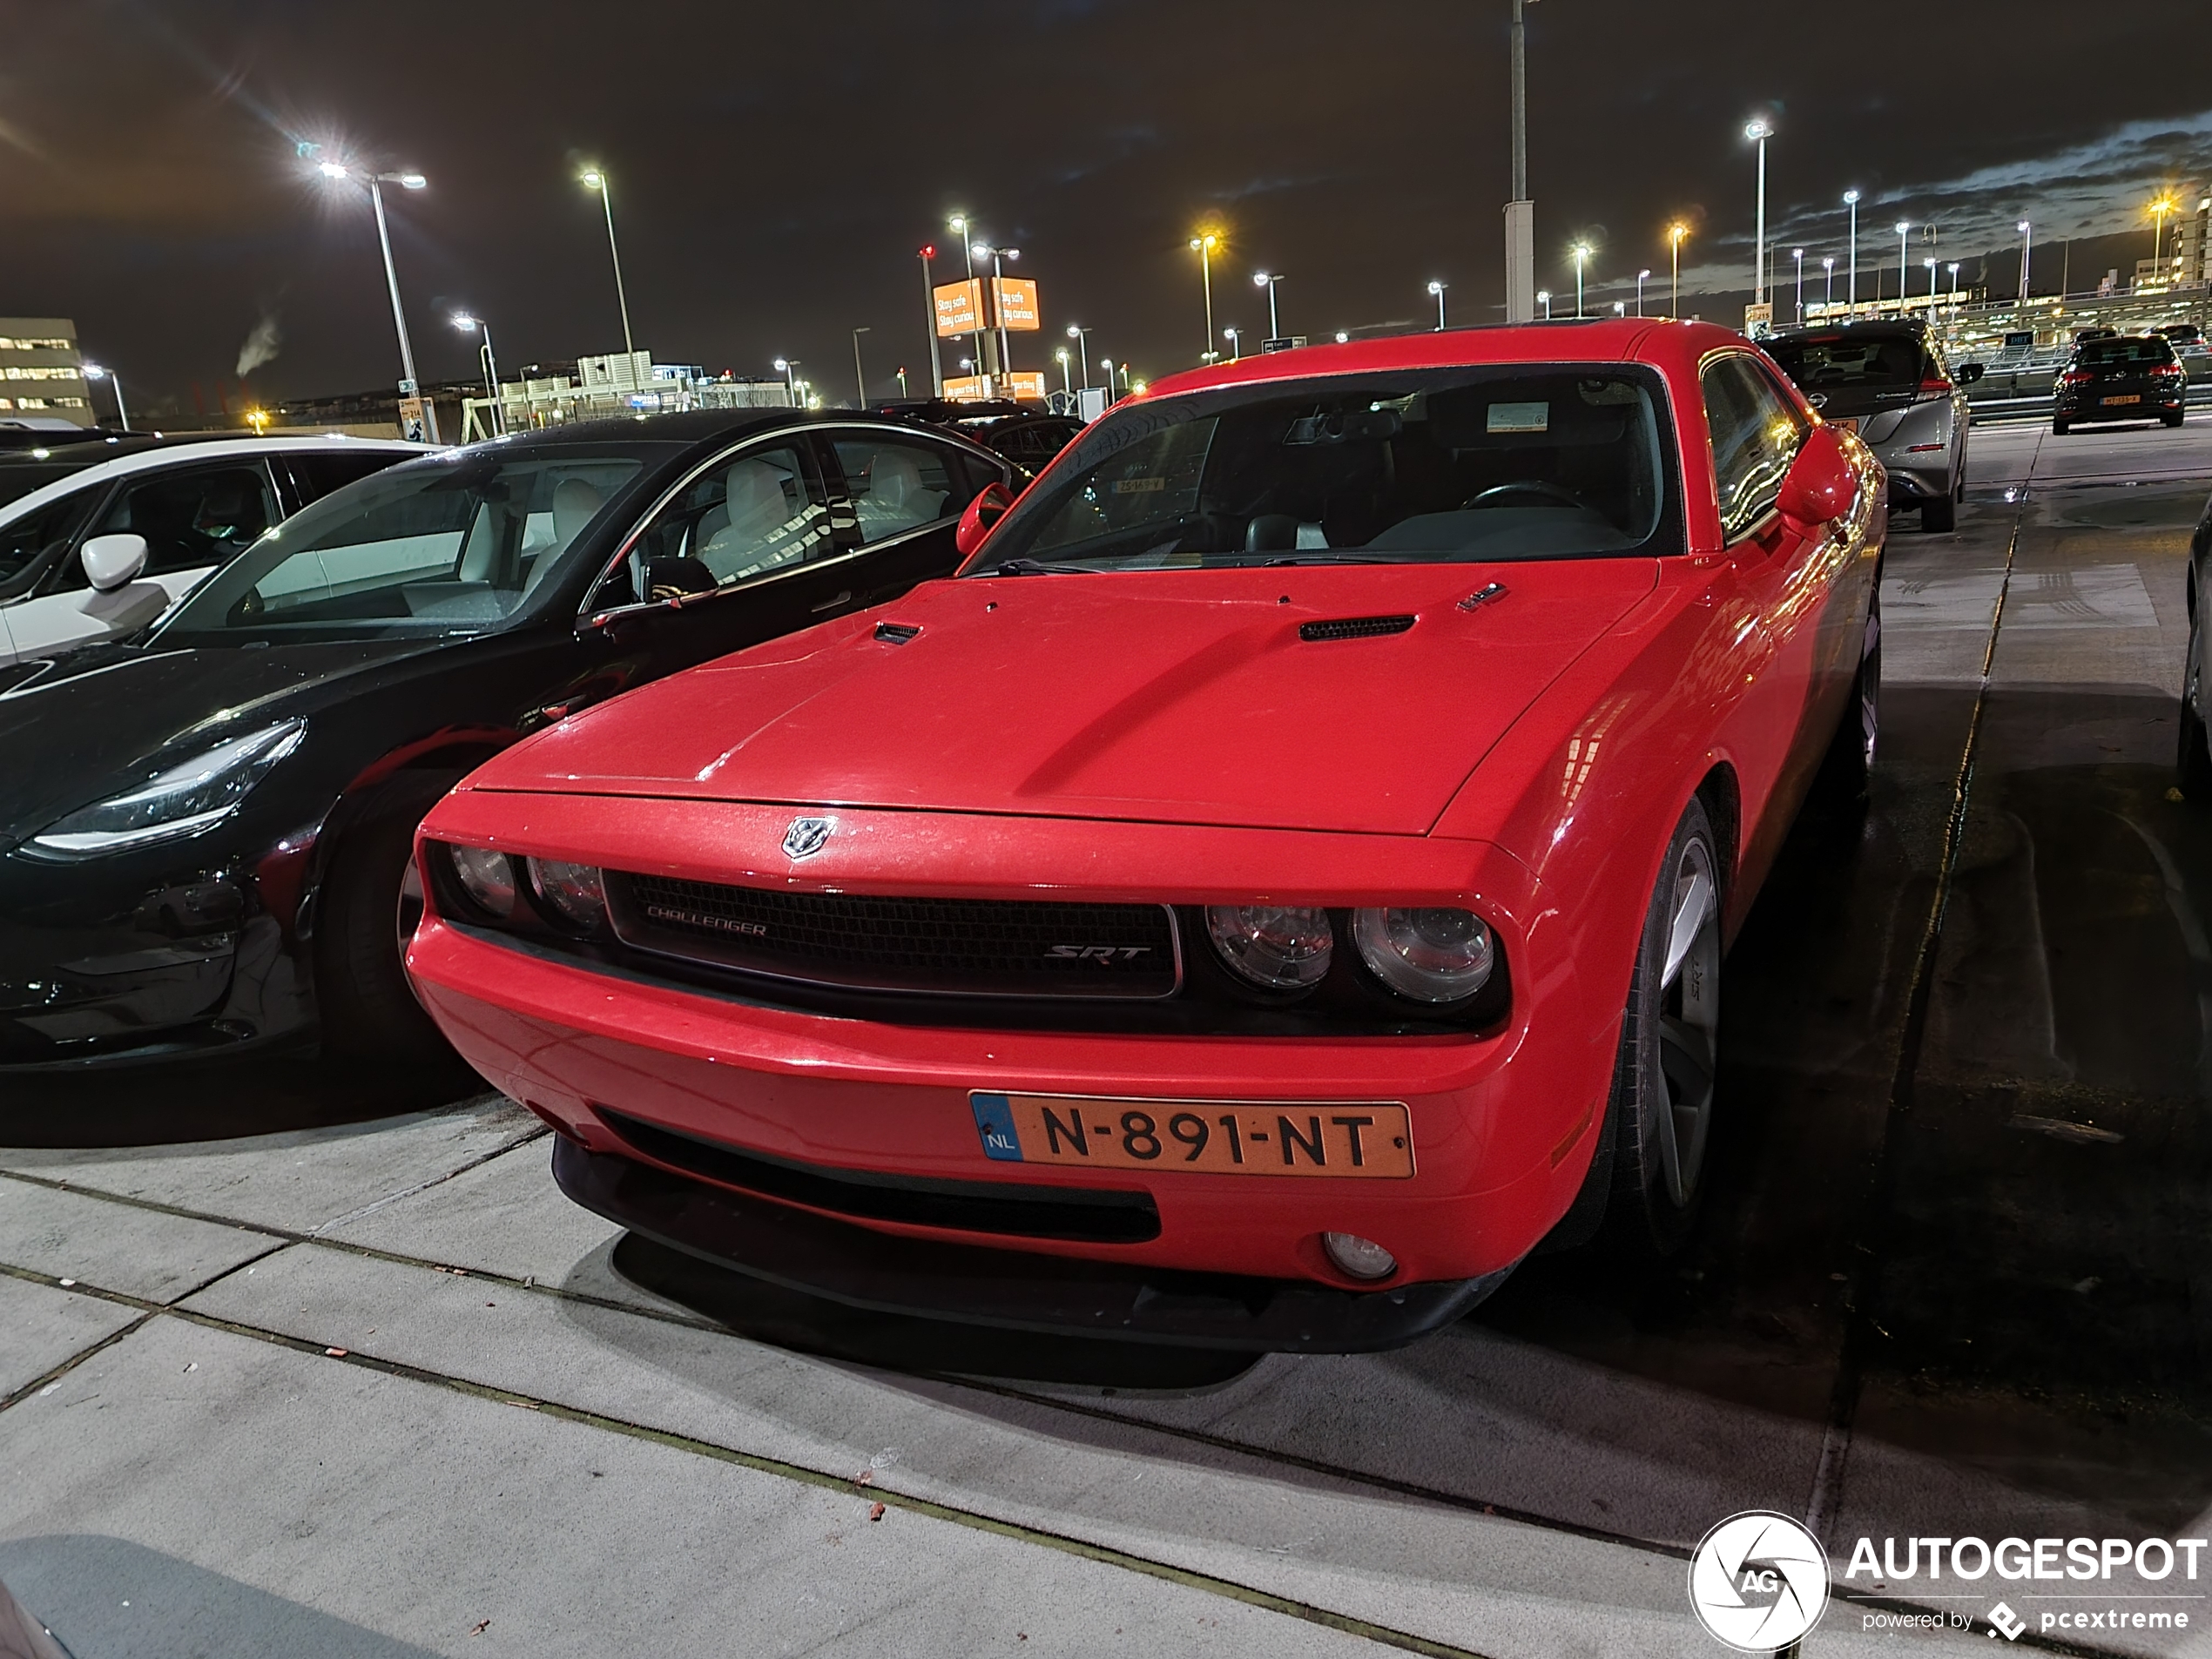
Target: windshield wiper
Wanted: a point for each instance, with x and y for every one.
(1322, 558)
(1038, 567)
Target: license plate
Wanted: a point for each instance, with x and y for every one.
(1845, 422)
(1361, 1140)
(2132, 397)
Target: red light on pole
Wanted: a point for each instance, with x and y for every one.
(930, 252)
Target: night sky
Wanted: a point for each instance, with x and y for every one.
(775, 167)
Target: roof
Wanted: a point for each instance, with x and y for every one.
(90, 464)
(690, 425)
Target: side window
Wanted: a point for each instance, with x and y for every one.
(315, 474)
(194, 519)
(27, 542)
(899, 483)
(1755, 435)
(756, 514)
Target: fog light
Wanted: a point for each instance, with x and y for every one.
(1357, 1258)
(575, 891)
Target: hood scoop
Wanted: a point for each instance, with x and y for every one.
(1354, 628)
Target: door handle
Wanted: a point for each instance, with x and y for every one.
(831, 605)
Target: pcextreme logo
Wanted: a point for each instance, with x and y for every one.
(1758, 1582)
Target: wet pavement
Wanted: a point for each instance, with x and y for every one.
(1951, 1282)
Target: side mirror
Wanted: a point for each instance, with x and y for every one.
(110, 561)
(1822, 483)
(1969, 373)
(982, 516)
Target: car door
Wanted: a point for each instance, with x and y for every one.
(742, 550)
(1776, 598)
(904, 493)
(194, 519)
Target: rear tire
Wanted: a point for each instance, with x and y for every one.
(1939, 514)
(369, 1008)
(1662, 1108)
(2058, 428)
(2176, 418)
(2193, 752)
(1850, 764)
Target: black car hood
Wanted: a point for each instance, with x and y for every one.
(86, 727)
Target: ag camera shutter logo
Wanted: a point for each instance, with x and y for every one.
(1758, 1582)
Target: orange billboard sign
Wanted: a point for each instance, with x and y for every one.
(960, 308)
(1017, 303)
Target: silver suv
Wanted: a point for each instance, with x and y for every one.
(1889, 382)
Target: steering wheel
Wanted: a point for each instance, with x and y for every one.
(1501, 495)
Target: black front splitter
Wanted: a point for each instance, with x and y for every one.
(1005, 1289)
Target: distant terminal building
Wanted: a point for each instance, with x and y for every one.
(42, 377)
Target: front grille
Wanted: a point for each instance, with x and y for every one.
(957, 946)
(1089, 1213)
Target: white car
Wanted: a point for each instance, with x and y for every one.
(100, 538)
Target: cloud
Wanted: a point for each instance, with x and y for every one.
(261, 346)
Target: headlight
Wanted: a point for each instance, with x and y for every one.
(1436, 955)
(181, 799)
(487, 877)
(575, 891)
(1276, 947)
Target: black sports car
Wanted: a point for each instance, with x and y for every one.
(204, 836)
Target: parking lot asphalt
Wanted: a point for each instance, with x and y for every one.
(286, 1372)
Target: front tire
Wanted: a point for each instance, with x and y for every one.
(363, 915)
(2193, 753)
(1940, 515)
(1661, 1110)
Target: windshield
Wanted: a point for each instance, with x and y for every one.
(1850, 362)
(1431, 465)
(456, 545)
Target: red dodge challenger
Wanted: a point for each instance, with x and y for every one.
(1280, 880)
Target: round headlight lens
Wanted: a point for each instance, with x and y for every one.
(575, 891)
(487, 877)
(1430, 955)
(1276, 946)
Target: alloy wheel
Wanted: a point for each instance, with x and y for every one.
(1689, 999)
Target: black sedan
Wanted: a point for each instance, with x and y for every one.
(204, 836)
(2128, 377)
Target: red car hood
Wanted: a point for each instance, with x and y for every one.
(1184, 697)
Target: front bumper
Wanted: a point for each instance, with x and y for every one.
(812, 1254)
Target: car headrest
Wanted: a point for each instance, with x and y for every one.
(576, 504)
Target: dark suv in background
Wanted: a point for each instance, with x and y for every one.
(2128, 377)
(1889, 382)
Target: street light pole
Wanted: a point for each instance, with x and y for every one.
(1850, 200)
(94, 372)
(929, 313)
(1904, 266)
(1759, 131)
(595, 179)
(1931, 264)
(1236, 344)
(1080, 335)
(959, 222)
(1267, 280)
(489, 361)
(1953, 268)
(1066, 384)
(2027, 254)
(1799, 255)
(392, 281)
(1829, 266)
(1642, 277)
(1437, 288)
(1543, 298)
(1521, 212)
(1581, 261)
(1674, 233)
(1204, 245)
(860, 375)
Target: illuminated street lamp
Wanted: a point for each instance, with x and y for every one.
(595, 179)
(1954, 285)
(1204, 245)
(1543, 298)
(1759, 131)
(469, 325)
(861, 375)
(1236, 345)
(1107, 364)
(338, 172)
(1267, 280)
(1620, 307)
(1931, 264)
(2028, 252)
(1829, 266)
(1675, 234)
(925, 253)
(1437, 290)
(94, 372)
(1850, 200)
(1799, 255)
(784, 366)
(1582, 252)
(998, 257)
(1082, 337)
(1343, 338)
(961, 223)
(2158, 209)
(1643, 276)
(1067, 375)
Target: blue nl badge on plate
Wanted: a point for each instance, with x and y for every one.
(994, 1122)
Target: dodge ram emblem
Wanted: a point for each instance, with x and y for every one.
(806, 837)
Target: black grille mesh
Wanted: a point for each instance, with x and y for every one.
(972, 945)
(1354, 627)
